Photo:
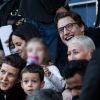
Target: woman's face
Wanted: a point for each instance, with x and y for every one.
(36, 50)
(19, 45)
(77, 52)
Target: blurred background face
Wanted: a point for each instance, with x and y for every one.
(31, 82)
(36, 50)
(77, 52)
(19, 45)
(8, 76)
(74, 85)
(68, 28)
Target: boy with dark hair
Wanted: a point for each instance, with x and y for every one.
(9, 78)
(32, 78)
(74, 78)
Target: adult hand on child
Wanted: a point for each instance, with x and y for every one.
(47, 72)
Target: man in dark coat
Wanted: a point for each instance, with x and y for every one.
(91, 86)
(9, 78)
(70, 24)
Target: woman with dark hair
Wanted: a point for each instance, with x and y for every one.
(19, 37)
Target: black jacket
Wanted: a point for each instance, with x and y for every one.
(6, 9)
(94, 34)
(91, 86)
(16, 93)
(40, 10)
(61, 60)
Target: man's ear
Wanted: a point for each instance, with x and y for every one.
(82, 28)
(42, 84)
(89, 56)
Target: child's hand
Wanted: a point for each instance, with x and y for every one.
(47, 72)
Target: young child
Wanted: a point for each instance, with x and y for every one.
(32, 78)
(37, 49)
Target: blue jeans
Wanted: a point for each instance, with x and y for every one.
(49, 35)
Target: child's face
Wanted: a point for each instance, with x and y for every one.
(31, 82)
(36, 50)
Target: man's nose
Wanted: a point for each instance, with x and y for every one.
(66, 32)
(17, 50)
(5, 77)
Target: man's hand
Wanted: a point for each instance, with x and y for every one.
(61, 9)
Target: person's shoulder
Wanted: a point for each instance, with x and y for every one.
(93, 30)
(53, 68)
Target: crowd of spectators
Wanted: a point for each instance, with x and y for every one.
(54, 55)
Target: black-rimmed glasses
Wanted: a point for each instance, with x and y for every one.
(68, 27)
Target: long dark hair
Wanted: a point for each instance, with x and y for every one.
(25, 31)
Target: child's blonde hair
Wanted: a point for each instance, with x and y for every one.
(47, 58)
